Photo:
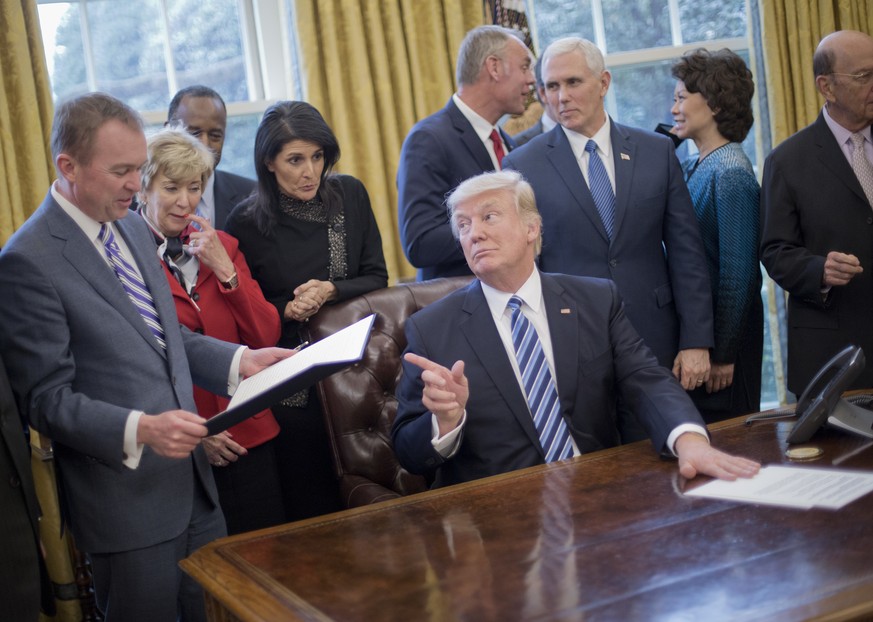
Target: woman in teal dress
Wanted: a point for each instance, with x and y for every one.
(712, 106)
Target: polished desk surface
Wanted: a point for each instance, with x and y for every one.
(500, 548)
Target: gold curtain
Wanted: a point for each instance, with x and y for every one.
(792, 31)
(374, 68)
(26, 168)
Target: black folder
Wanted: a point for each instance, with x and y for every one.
(289, 376)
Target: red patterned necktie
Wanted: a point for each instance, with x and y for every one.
(498, 147)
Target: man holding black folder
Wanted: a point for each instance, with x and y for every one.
(99, 363)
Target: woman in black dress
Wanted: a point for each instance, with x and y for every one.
(310, 239)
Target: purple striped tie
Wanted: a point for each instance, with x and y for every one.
(133, 284)
(542, 394)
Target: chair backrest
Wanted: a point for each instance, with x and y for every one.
(359, 402)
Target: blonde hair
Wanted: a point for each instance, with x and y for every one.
(178, 155)
(507, 181)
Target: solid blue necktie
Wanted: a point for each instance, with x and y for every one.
(133, 284)
(542, 394)
(601, 189)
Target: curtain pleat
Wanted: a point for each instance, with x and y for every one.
(26, 110)
(373, 69)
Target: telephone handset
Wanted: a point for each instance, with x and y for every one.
(822, 403)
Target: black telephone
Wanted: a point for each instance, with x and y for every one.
(822, 403)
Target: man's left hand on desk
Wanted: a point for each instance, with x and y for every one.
(698, 457)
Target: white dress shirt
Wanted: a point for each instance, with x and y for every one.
(482, 128)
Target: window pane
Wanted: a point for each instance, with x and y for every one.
(705, 20)
(563, 18)
(237, 155)
(636, 24)
(643, 94)
(62, 38)
(207, 46)
(128, 57)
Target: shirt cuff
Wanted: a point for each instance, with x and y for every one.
(682, 429)
(233, 377)
(448, 445)
(132, 449)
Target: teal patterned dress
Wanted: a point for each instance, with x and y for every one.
(725, 194)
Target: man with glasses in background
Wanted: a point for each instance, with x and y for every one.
(817, 214)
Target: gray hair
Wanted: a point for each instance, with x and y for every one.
(479, 44)
(590, 52)
(507, 181)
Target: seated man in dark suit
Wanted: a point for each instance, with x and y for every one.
(462, 140)
(203, 113)
(521, 368)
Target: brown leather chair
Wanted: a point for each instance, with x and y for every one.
(359, 403)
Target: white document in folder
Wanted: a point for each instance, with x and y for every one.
(344, 345)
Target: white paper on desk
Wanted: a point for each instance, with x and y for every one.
(344, 345)
(792, 486)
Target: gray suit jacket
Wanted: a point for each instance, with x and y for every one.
(80, 358)
(656, 256)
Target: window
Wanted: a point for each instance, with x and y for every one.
(143, 52)
(640, 40)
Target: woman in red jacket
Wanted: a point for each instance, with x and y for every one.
(216, 295)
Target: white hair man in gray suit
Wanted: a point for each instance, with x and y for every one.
(99, 363)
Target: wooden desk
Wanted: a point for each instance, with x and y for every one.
(637, 549)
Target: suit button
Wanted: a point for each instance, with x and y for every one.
(870, 220)
(613, 263)
(14, 481)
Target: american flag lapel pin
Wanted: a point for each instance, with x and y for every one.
(625, 156)
(565, 311)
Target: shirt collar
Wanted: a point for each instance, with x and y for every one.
(88, 225)
(840, 133)
(480, 125)
(531, 293)
(601, 137)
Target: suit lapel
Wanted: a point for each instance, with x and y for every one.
(560, 154)
(468, 137)
(831, 156)
(624, 158)
(479, 330)
(562, 313)
(83, 257)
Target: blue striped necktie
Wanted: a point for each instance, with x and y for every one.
(601, 188)
(542, 394)
(133, 284)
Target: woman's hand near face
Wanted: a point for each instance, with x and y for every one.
(207, 247)
(308, 299)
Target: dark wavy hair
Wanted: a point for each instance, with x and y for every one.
(282, 123)
(725, 83)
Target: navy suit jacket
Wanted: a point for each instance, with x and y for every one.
(439, 153)
(229, 190)
(597, 354)
(80, 358)
(656, 256)
(812, 203)
(525, 136)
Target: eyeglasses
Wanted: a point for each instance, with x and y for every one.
(863, 78)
